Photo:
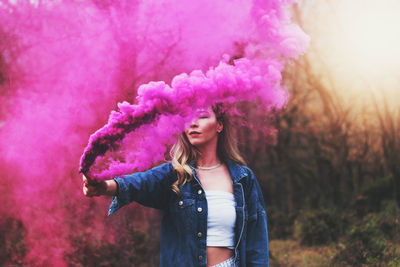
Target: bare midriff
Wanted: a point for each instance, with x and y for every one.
(217, 255)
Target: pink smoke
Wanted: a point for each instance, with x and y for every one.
(256, 77)
(246, 81)
(64, 65)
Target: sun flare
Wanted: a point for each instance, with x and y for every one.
(372, 31)
(357, 44)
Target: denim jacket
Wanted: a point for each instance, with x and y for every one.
(184, 217)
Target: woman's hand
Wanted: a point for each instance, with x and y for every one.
(108, 188)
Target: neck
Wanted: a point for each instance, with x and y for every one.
(208, 156)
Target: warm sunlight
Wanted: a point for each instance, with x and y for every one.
(371, 29)
(358, 43)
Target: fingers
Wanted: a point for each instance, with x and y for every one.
(88, 190)
(94, 189)
(85, 180)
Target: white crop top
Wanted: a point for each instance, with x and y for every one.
(221, 219)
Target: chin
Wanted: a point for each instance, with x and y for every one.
(195, 143)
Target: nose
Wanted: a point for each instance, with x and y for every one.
(194, 123)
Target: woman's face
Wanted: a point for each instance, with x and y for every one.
(204, 129)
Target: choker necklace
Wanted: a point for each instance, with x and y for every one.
(209, 168)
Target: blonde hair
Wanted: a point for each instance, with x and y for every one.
(183, 153)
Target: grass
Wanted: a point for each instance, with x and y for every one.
(288, 253)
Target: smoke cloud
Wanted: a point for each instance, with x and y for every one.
(65, 64)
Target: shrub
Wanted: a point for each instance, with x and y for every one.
(280, 225)
(364, 244)
(12, 240)
(90, 249)
(373, 196)
(388, 220)
(317, 227)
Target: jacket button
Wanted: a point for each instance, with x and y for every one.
(199, 234)
(200, 258)
(180, 203)
(199, 192)
(199, 209)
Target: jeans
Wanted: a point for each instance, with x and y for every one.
(227, 263)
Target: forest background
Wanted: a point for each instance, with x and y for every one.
(330, 175)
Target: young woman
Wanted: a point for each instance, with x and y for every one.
(213, 209)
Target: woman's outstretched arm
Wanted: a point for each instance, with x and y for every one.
(151, 188)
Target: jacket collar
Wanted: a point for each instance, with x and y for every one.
(236, 170)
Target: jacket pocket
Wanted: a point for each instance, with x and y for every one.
(252, 217)
(183, 212)
(184, 203)
(259, 213)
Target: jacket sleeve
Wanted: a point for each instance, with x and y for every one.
(150, 188)
(257, 251)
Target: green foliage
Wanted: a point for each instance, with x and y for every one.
(91, 250)
(394, 262)
(365, 243)
(12, 242)
(391, 258)
(134, 246)
(373, 196)
(318, 227)
(388, 220)
(280, 225)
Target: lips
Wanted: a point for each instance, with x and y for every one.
(194, 132)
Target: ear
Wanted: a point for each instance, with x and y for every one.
(220, 126)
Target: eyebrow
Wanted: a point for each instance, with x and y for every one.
(203, 112)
